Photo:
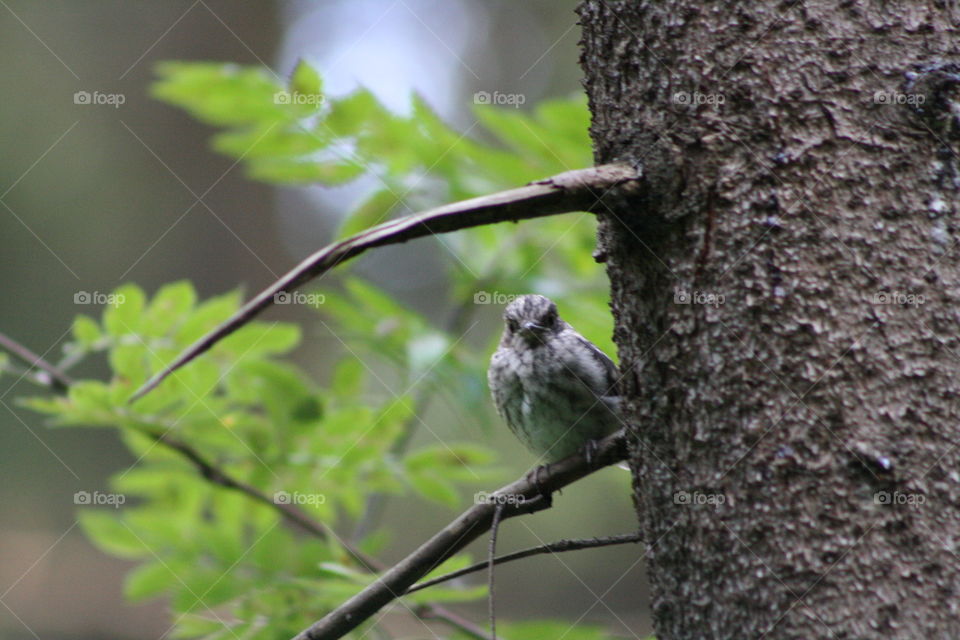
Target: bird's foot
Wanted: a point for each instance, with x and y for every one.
(590, 448)
(534, 478)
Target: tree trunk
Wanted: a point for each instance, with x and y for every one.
(786, 304)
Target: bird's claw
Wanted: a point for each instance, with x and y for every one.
(590, 448)
(534, 478)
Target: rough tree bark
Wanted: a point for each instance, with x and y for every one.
(803, 162)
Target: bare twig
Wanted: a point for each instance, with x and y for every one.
(458, 534)
(491, 554)
(216, 475)
(553, 547)
(294, 515)
(60, 383)
(57, 378)
(579, 190)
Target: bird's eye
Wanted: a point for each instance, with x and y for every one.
(512, 325)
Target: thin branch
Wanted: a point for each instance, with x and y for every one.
(491, 554)
(579, 190)
(60, 383)
(519, 497)
(290, 512)
(58, 379)
(553, 547)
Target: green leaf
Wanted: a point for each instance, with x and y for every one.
(305, 79)
(168, 307)
(261, 145)
(86, 331)
(434, 486)
(220, 94)
(342, 572)
(207, 315)
(107, 531)
(89, 404)
(260, 338)
(356, 113)
(128, 363)
(298, 171)
(447, 456)
(278, 388)
(123, 315)
(193, 625)
(348, 378)
(374, 210)
(149, 580)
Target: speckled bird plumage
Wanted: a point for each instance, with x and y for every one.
(554, 388)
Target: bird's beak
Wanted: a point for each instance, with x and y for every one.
(530, 329)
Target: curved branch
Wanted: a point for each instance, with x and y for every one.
(579, 190)
(522, 496)
(217, 476)
(58, 380)
(553, 547)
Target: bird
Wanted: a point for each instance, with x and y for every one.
(556, 390)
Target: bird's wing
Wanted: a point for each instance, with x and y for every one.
(603, 369)
(499, 386)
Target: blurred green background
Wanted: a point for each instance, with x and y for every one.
(95, 195)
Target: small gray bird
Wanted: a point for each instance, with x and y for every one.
(554, 388)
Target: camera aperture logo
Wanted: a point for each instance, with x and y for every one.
(98, 498)
(296, 497)
(299, 297)
(295, 97)
(95, 297)
(903, 298)
(697, 98)
(897, 97)
(699, 498)
(509, 99)
(99, 98)
(494, 297)
(899, 498)
(683, 296)
(482, 497)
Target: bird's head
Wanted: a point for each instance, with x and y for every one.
(531, 319)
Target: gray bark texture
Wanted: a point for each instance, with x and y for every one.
(786, 296)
